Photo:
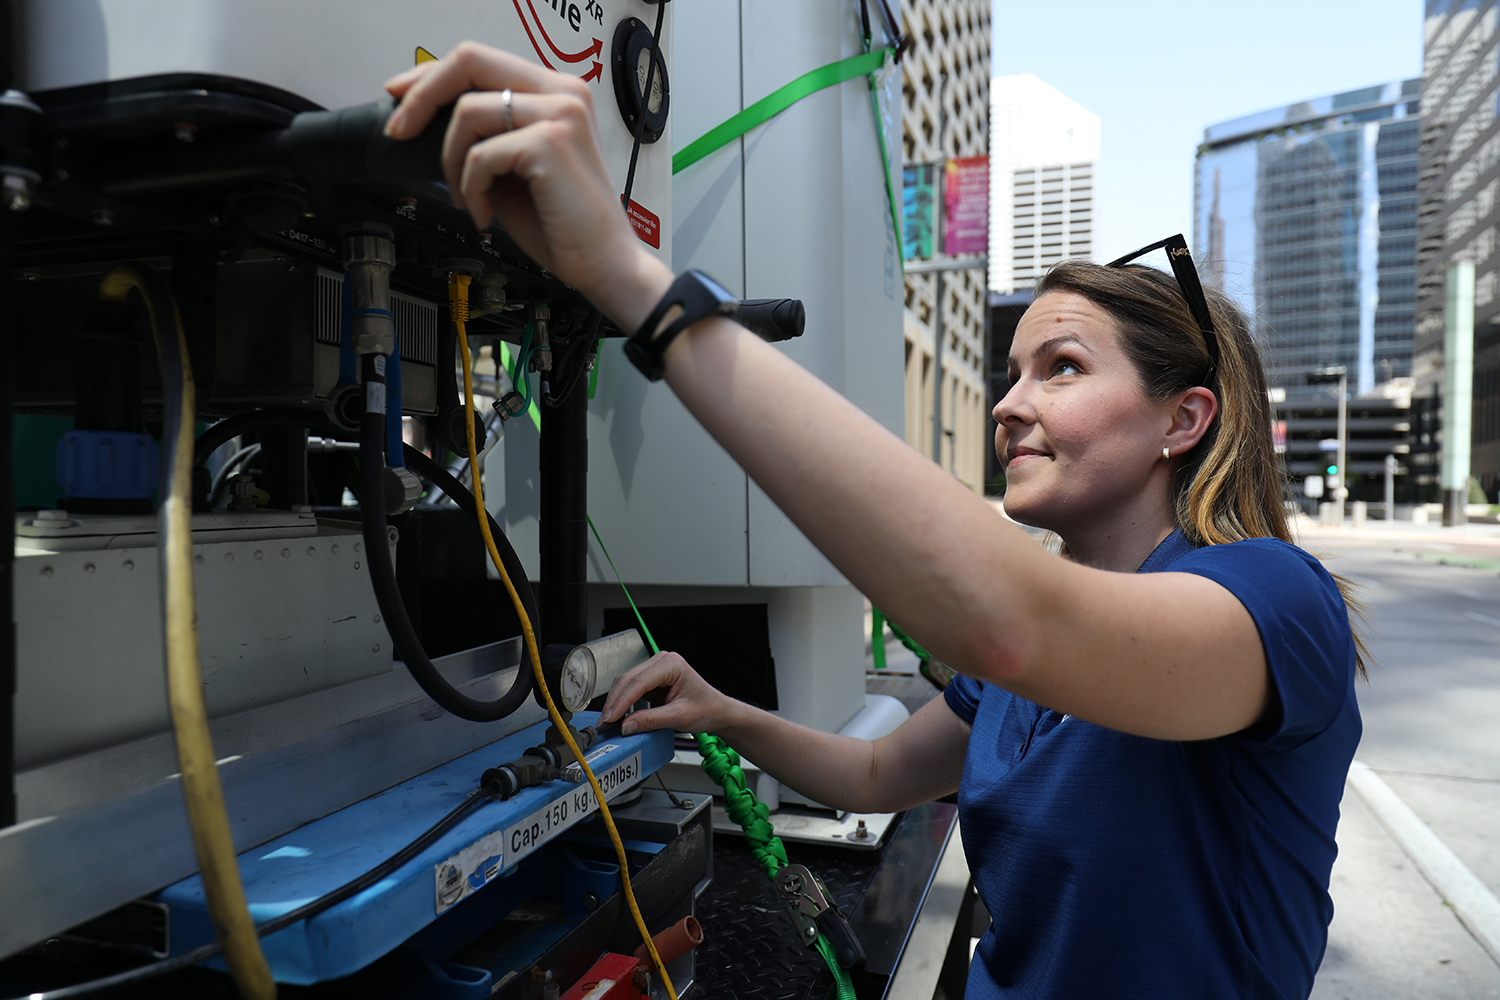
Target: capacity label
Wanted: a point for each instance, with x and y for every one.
(555, 817)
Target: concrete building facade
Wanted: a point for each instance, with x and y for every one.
(1044, 160)
(949, 38)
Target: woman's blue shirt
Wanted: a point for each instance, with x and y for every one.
(1120, 866)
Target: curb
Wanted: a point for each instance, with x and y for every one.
(1473, 903)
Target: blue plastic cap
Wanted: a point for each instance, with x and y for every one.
(107, 465)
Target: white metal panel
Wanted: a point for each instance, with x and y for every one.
(815, 229)
(277, 617)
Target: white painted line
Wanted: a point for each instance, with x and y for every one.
(1476, 907)
(1482, 618)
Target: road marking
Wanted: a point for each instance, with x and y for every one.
(1475, 594)
(1482, 618)
(1476, 907)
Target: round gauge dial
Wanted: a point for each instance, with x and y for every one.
(579, 671)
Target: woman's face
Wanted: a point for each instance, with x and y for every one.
(1079, 439)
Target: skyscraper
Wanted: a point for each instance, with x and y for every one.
(1306, 215)
(1044, 158)
(1460, 178)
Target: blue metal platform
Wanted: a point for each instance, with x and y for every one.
(486, 845)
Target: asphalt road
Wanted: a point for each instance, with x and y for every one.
(1432, 733)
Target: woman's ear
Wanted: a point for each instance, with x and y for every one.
(1191, 419)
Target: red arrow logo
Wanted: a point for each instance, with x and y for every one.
(593, 50)
(594, 74)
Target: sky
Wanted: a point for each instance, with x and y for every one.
(1157, 73)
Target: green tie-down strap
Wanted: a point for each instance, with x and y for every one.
(775, 103)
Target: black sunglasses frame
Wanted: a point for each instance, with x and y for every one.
(1192, 291)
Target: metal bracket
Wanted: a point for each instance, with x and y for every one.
(813, 909)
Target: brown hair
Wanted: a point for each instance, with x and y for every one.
(1229, 486)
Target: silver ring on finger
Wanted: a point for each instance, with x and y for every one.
(505, 99)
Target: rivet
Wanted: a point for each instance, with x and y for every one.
(46, 570)
(198, 559)
(259, 554)
(356, 566)
(377, 619)
(88, 568)
(375, 648)
(312, 550)
(229, 557)
(128, 564)
(334, 550)
(286, 553)
(356, 546)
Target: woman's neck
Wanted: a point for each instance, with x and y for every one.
(1120, 545)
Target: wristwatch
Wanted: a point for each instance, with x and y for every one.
(692, 296)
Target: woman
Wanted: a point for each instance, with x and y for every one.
(1151, 736)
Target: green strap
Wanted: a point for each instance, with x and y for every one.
(650, 640)
(908, 641)
(877, 637)
(722, 764)
(773, 104)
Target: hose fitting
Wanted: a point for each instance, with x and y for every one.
(369, 256)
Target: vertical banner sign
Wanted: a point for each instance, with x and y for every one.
(918, 211)
(966, 203)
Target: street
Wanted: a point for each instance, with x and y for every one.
(1432, 736)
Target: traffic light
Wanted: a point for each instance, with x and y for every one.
(1333, 469)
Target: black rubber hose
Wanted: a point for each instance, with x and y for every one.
(431, 469)
(212, 439)
(383, 574)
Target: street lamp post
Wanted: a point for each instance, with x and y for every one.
(1339, 374)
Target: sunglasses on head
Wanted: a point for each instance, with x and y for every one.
(1192, 291)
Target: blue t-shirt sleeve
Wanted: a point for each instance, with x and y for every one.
(1304, 629)
(962, 694)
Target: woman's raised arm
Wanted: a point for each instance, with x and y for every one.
(1166, 655)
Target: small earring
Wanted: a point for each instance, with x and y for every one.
(1166, 454)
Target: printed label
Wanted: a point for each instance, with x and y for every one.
(374, 397)
(470, 869)
(647, 225)
(547, 822)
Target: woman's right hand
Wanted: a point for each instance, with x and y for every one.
(523, 147)
(692, 706)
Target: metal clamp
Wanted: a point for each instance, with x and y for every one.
(812, 909)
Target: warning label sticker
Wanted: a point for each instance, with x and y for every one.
(647, 224)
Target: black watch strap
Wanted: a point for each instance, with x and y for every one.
(692, 296)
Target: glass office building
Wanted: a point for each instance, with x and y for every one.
(1306, 216)
(1459, 210)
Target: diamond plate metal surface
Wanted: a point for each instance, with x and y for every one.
(750, 949)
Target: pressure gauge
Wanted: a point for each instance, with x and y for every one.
(579, 671)
(631, 57)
